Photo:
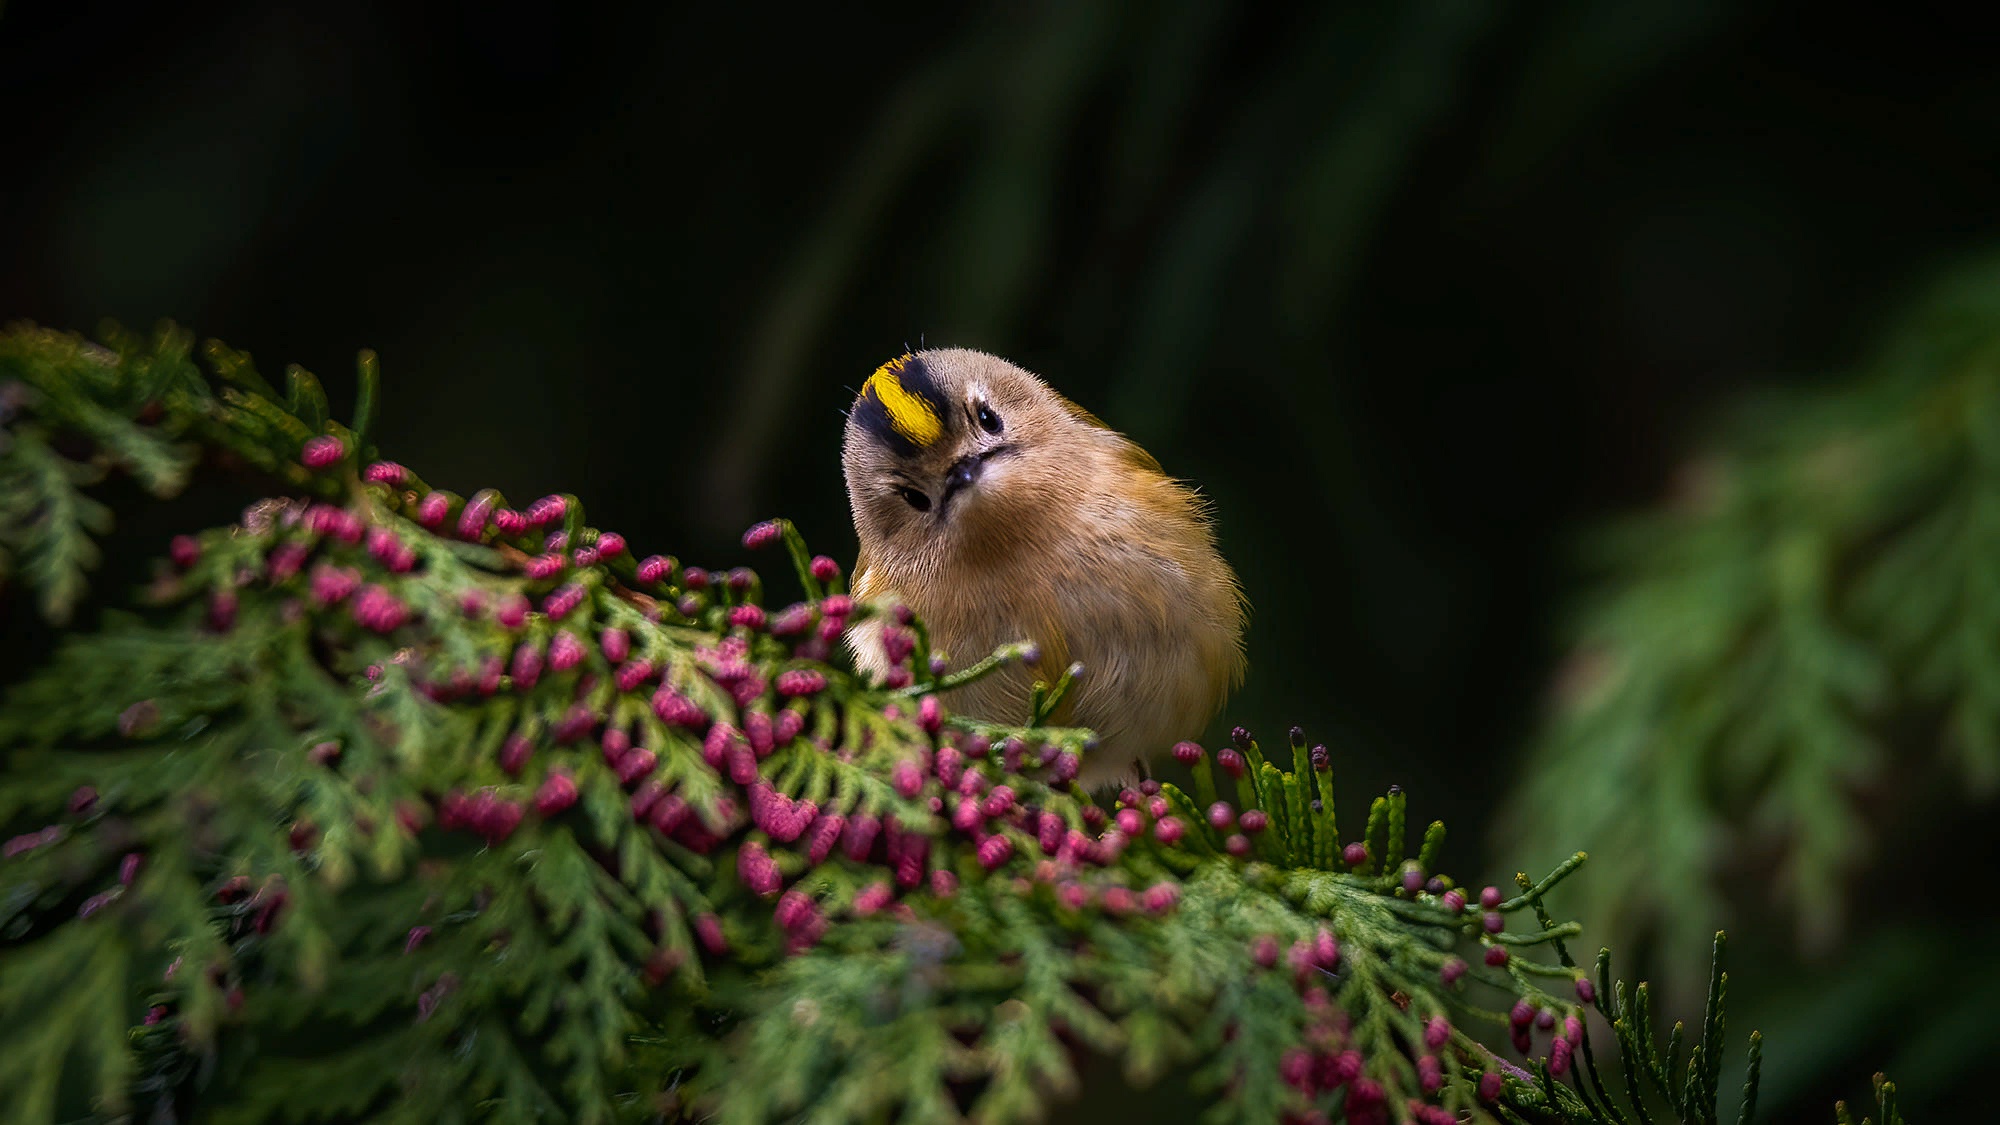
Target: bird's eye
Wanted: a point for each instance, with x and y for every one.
(988, 421)
(916, 499)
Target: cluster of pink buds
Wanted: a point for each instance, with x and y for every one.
(377, 609)
(1526, 1018)
(484, 812)
(390, 550)
(329, 522)
(778, 816)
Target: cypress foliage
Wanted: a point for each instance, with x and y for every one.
(1801, 640)
(391, 803)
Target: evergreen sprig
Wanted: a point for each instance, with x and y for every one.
(1805, 630)
(399, 804)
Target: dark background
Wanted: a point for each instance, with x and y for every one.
(1416, 292)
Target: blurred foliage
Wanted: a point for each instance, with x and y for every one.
(1788, 678)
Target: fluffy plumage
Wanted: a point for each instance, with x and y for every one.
(1000, 511)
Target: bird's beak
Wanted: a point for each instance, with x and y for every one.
(963, 474)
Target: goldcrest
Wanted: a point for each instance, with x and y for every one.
(1000, 512)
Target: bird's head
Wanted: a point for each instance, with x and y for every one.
(953, 450)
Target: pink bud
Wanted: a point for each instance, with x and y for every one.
(558, 792)
(1496, 955)
(565, 651)
(994, 851)
(610, 545)
(286, 559)
(1586, 991)
(633, 673)
(514, 753)
(825, 569)
(497, 820)
(794, 910)
(322, 451)
(1168, 830)
(930, 714)
(762, 535)
(559, 604)
(908, 780)
(478, 510)
(433, 510)
(1326, 951)
(1160, 898)
(547, 510)
(858, 841)
(944, 884)
(758, 731)
(872, 898)
(655, 568)
(677, 709)
(1454, 900)
(128, 868)
(385, 472)
(1489, 1086)
(747, 617)
(1436, 1031)
(1355, 854)
(836, 606)
(1489, 897)
(1452, 970)
(708, 928)
(800, 682)
(512, 612)
(758, 870)
(1231, 761)
(636, 764)
(965, 816)
(616, 643)
(184, 550)
(1264, 950)
(222, 610)
(527, 666)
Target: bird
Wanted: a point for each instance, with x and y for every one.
(999, 512)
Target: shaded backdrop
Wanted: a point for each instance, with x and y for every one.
(1414, 291)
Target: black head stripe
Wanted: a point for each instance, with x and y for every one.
(916, 408)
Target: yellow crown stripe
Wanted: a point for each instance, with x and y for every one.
(911, 416)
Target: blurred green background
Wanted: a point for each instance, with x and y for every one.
(1417, 292)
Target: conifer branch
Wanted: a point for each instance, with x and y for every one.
(394, 803)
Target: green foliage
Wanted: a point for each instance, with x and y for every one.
(1809, 629)
(139, 406)
(407, 806)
